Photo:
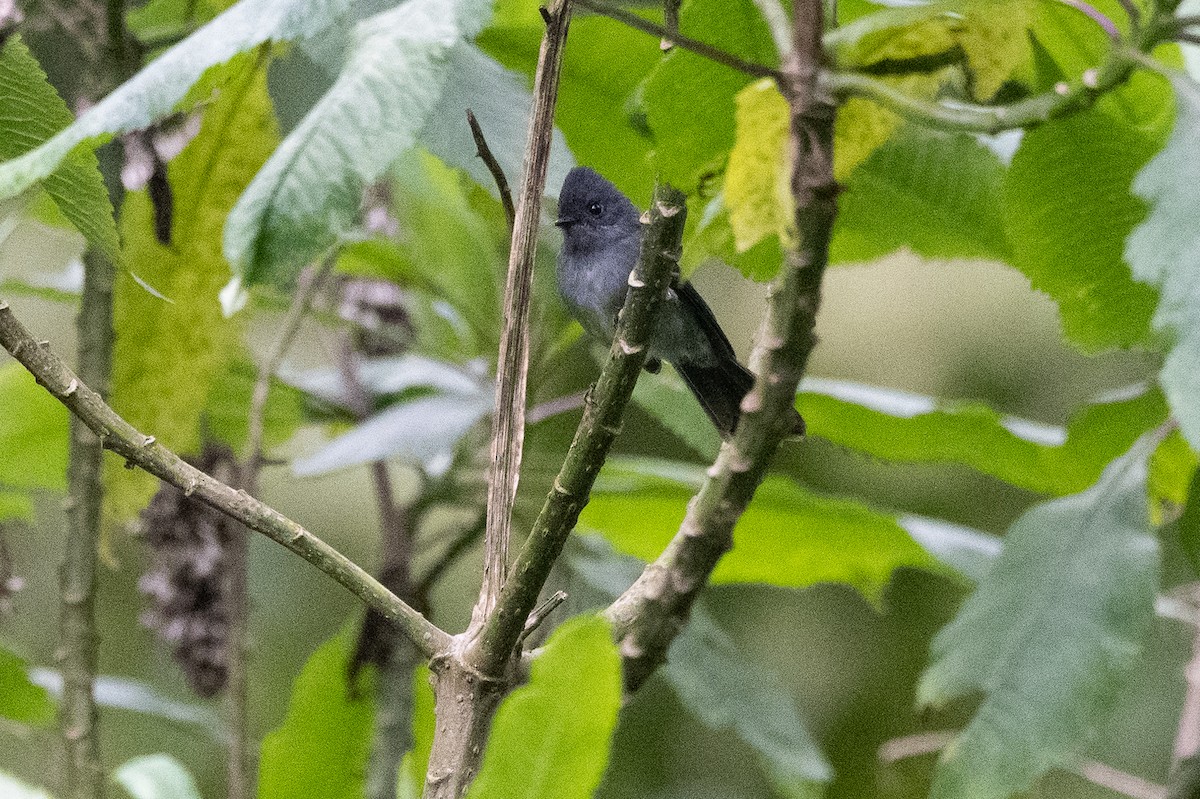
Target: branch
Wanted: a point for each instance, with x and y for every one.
(83, 772)
(485, 152)
(1185, 772)
(648, 616)
(512, 368)
(141, 450)
(678, 39)
(600, 424)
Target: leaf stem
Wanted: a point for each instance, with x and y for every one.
(143, 451)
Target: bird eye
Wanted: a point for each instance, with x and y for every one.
(595, 209)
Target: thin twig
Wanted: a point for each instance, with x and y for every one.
(777, 22)
(485, 152)
(554, 407)
(648, 616)
(144, 451)
(670, 24)
(1188, 38)
(1095, 772)
(687, 43)
(540, 613)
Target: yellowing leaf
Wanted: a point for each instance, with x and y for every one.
(170, 352)
(756, 183)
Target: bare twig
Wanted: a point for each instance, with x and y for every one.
(648, 616)
(512, 369)
(540, 613)
(144, 451)
(670, 24)
(485, 152)
(1095, 772)
(676, 38)
(554, 407)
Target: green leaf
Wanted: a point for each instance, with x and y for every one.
(727, 690)
(226, 410)
(934, 194)
(20, 699)
(156, 777)
(1049, 636)
(171, 353)
(155, 90)
(321, 748)
(900, 426)
(13, 788)
(689, 99)
(33, 433)
(757, 181)
(309, 193)
(550, 739)
(1067, 211)
(1165, 249)
(787, 537)
(33, 112)
(15, 506)
(1189, 523)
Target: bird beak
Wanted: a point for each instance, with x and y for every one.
(565, 221)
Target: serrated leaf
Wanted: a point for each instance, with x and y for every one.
(33, 433)
(154, 91)
(321, 748)
(728, 691)
(156, 777)
(33, 113)
(20, 700)
(1165, 249)
(550, 739)
(787, 537)
(13, 788)
(901, 426)
(308, 194)
(935, 194)
(169, 355)
(423, 431)
(1067, 210)
(1049, 636)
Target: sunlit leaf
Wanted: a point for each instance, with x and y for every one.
(1165, 249)
(156, 777)
(309, 193)
(1067, 210)
(1049, 636)
(33, 113)
(787, 537)
(153, 92)
(20, 699)
(550, 739)
(322, 746)
(169, 355)
(757, 181)
(901, 426)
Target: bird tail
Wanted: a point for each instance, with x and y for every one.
(720, 389)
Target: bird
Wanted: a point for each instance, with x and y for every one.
(602, 238)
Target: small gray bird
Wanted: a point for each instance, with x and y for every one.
(602, 237)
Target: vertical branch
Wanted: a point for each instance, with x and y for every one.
(83, 774)
(508, 423)
(239, 782)
(648, 616)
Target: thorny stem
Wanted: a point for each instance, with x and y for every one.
(144, 451)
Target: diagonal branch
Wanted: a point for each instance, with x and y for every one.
(141, 450)
(658, 263)
(648, 616)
